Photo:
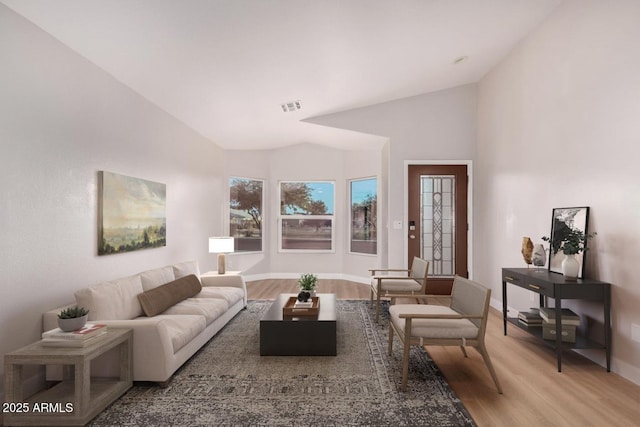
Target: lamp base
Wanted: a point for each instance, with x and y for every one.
(222, 262)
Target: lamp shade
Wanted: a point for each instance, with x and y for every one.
(220, 245)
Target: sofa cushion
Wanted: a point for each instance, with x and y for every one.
(157, 300)
(115, 300)
(157, 277)
(210, 308)
(182, 329)
(227, 293)
(186, 268)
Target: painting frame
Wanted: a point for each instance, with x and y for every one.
(131, 213)
(561, 219)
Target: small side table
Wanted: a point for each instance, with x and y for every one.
(79, 397)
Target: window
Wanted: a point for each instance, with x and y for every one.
(364, 216)
(306, 216)
(245, 213)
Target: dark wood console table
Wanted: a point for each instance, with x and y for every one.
(554, 285)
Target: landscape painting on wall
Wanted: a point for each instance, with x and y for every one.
(131, 214)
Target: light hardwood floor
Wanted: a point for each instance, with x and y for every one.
(535, 394)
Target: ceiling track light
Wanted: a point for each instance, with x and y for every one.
(291, 106)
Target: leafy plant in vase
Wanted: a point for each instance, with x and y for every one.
(571, 242)
(307, 283)
(72, 318)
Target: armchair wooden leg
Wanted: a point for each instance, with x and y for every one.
(390, 338)
(464, 351)
(379, 290)
(487, 361)
(405, 356)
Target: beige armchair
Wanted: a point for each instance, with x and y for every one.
(462, 324)
(409, 282)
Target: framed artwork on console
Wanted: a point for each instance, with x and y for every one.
(563, 221)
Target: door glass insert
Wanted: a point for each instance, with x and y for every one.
(437, 216)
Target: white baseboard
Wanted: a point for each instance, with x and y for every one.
(497, 304)
(625, 370)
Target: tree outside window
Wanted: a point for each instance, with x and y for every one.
(245, 212)
(364, 216)
(306, 216)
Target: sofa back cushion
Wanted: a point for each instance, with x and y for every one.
(186, 268)
(157, 277)
(157, 300)
(115, 300)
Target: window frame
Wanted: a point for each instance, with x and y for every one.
(330, 217)
(262, 213)
(350, 202)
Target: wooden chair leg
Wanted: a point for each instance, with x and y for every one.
(378, 308)
(390, 338)
(464, 351)
(487, 361)
(405, 356)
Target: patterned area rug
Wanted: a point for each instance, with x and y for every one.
(228, 383)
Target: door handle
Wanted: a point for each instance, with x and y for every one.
(411, 236)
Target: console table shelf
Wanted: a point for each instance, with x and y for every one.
(553, 285)
(581, 341)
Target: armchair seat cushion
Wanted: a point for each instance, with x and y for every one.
(397, 285)
(432, 328)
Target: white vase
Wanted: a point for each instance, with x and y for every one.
(570, 267)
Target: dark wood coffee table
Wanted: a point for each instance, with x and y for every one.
(299, 336)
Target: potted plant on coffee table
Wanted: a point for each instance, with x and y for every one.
(72, 318)
(307, 283)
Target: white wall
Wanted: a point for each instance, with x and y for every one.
(558, 127)
(305, 162)
(253, 164)
(61, 121)
(362, 164)
(434, 126)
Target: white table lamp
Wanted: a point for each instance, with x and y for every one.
(221, 246)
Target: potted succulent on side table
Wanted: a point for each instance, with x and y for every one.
(72, 318)
(571, 242)
(307, 283)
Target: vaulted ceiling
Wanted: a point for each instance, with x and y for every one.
(225, 67)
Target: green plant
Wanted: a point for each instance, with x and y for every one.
(308, 281)
(570, 241)
(73, 312)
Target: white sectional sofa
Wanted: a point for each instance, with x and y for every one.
(173, 311)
